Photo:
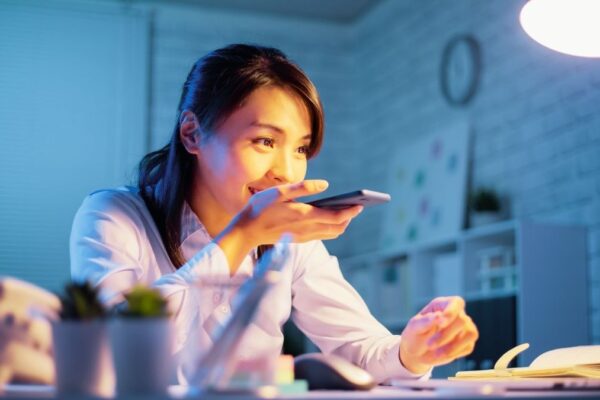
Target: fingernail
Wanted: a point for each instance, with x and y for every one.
(322, 184)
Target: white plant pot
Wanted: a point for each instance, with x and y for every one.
(82, 358)
(143, 354)
(481, 218)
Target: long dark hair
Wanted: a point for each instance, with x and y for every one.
(215, 87)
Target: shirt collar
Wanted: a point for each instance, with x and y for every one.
(194, 235)
(190, 224)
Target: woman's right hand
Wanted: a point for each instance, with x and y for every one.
(272, 212)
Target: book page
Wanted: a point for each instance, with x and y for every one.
(567, 356)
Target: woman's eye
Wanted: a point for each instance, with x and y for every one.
(265, 142)
(303, 149)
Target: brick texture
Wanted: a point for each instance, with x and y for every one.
(535, 117)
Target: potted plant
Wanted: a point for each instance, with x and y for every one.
(485, 207)
(142, 339)
(81, 350)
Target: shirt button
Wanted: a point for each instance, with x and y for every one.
(224, 309)
(216, 298)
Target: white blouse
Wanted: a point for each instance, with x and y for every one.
(115, 244)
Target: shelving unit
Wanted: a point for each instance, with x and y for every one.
(523, 282)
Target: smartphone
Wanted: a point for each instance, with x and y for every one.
(362, 197)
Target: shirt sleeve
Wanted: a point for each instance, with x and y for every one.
(334, 316)
(106, 244)
(109, 247)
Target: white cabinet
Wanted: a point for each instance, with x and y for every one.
(523, 282)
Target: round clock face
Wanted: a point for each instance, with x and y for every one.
(460, 69)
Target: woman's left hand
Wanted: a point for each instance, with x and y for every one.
(440, 333)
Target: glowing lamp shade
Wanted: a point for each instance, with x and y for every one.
(567, 26)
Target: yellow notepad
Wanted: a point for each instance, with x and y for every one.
(568, 362)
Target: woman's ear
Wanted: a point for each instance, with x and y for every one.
(189, 131)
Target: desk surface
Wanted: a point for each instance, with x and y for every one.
(23, 392)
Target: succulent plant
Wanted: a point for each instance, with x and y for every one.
(144, 302)
(485, 199)
(80, 301)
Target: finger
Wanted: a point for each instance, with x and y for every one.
(464, 350)
(465, 340)
(440, 356)
(326, 216)
(450, 308)
(425, 324)
(321, 231)
(435, 359)
(300, 189)
(437, 304)
(447, 334)
(449, 304)
(454, 307)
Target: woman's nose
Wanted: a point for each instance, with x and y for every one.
(282, 169)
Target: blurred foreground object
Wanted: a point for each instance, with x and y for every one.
(81, 349)
(142, 338)
(25, 332)
(216, 368)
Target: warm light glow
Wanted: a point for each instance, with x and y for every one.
(567, 26)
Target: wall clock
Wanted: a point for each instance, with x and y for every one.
(460, 69)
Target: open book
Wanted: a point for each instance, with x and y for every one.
(568, 362)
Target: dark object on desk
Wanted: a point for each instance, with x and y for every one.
(331, 372)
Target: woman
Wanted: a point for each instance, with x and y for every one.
(223, 188)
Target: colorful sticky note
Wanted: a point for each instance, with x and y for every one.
(412, 233)
(420, 177)
(423, 207)
(436, 149)
(452, 163)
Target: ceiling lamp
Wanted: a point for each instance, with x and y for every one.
(567, 26)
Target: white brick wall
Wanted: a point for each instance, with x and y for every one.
(536, 117)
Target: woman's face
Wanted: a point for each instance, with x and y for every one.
(261, 144)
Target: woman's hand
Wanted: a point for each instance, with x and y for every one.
(273, 212)
(440, 333)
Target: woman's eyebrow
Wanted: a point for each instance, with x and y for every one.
(274, 128)
(267, 126)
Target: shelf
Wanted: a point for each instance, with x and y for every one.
(518, 310)
(504, 227)
(476, 296)
(432, 246)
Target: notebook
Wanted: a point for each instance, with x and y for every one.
(568, 362)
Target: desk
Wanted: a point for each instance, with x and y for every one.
(25, 392)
